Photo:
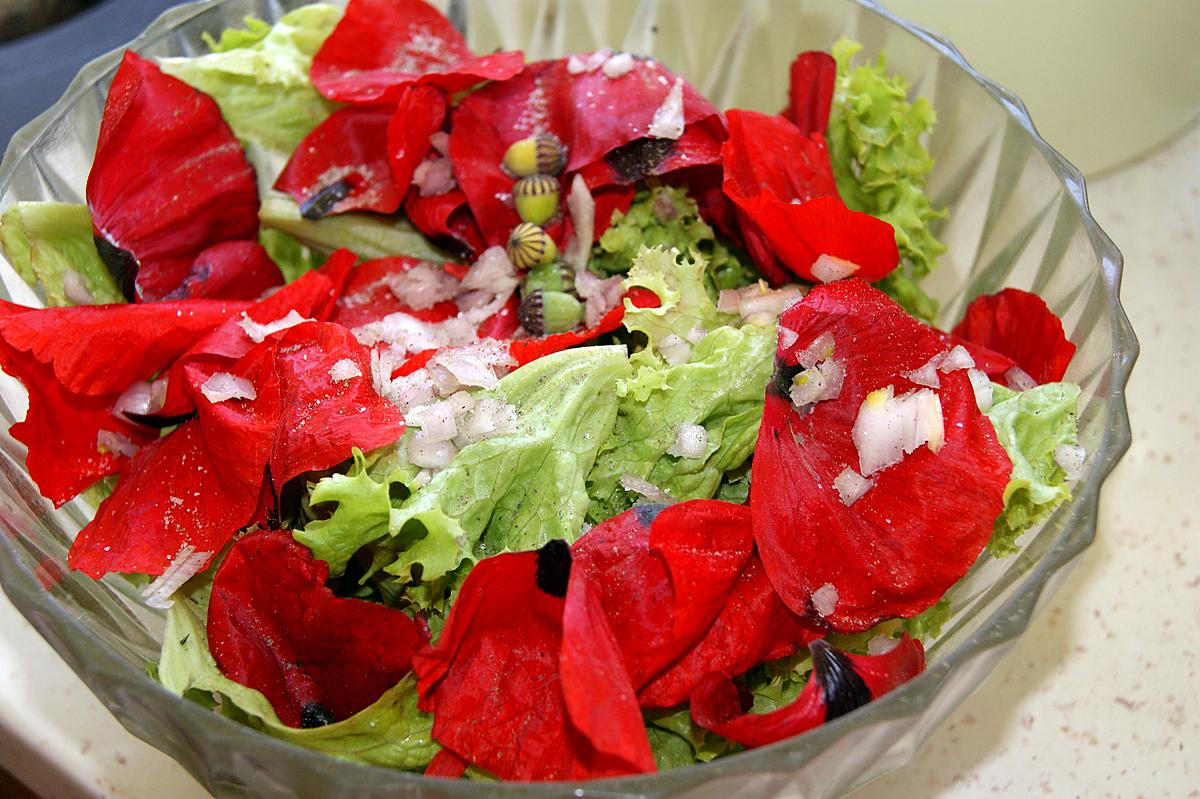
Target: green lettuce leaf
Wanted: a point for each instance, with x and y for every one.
(881, 165)
(51, 244)
(288, 253)
(390, 733)
(366, 235)
(677, 741)
(517, 490)
(678, 280)
(777, 683)
(232, 38)
(928, 624)
(1030, 426)
(665, 216)
(260, 79)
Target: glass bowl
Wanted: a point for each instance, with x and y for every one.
(1018, 217)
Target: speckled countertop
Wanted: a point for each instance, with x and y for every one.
(1100, 698)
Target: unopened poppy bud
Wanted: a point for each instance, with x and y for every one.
(529, 245)
(542, 153)
(544, 313)
(536, 198)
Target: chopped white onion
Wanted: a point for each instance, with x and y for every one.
(423, 286)
(820, 349)
(409, 334)
(76, 290)
(851, 486)
(492, 271)
(186, 564)
(890, 427)
(881, 645)
(429, 454)
(981, 384)
(957, 358)
(638, 485)
(828, 268)
(668, 117)
(691, 440)
(696, 335)
(617, 65)
(116, 443)
(927, 374)
(491, 417)
(824, 600)
(582, 208)
(460, 403)
(833, 374)
(1070, 457)
(787, 337)
(434, 176)
(436, 422)
(138, 398)
(478, 364)
(674, 349)
(257, 332)
(343, 370)
(601, 295)
(224, 386)
(440, 141)
(1019, 380)
(757, 304)
(589, 62)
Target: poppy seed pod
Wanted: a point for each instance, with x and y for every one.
(544, 313)
(536, 198)
(543, 154)
(529, 245)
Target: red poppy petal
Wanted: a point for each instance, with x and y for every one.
(899, 547)
(419, 114)
(810, 91)
(525, 350)
(990, 362)
(1019, 325)
(343, 165)
(368, 296)
(765, 152)
(170, 494)
(858, 679)
(169, 178)
(274, 626)
(446, 764)
(381, 46)
(235, 270)
(447, 220)
(753, 627)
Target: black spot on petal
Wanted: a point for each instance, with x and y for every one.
(638, 158)
(781, 381)
(323, 199)
(314, 714)
(121, 265)
(646, 514)
(840, 685)
(159, 422)
(554, 567)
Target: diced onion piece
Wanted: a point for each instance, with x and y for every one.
(491, 417)
(890, 427)
(618, 65)
(674, 349)
(668, 117)
(343, 370)
(806, 388)
(825, 599)
(729, 300)
(258, 332)
(434, 176)
(957, 358)
(982, 386)
(787, 337)
(1070, 457)
(224, 386)
(690, 441)
(827, 268)
(696, 335)
(833, 374)
(1019, 380)
(638, 485)
(460, 403)
(116, 443)
(881, 645)
(139, 398)
(429, 454)
(821, 348)
(492, 272)
(186, 564)
(851, 486)
(436, 421)
(580, 63)
(927, 375)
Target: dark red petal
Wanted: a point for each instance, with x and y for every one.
(419, 114)
(275, 627)
(170, 494)
(1019, 325)
(381, 46)
(446, 764)
(343, 165)
(367, 296)
(810, 91)
(524, 350)
(235, 270)
(447, 220)
(898, 548)
(765, 152)
(716, 705)
(503, 323)
(169, 178)
(753, 627)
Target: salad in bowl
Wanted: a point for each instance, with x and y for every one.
(502, 418)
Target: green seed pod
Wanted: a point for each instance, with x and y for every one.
(542, 153)
(554, 276)
(544, 313)
(536, 199)
(529, 245)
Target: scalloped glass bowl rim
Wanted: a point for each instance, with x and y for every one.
(1002, 625)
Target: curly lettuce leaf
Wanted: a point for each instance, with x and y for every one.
(665, 216)
(880, 164)
(392, 732)
(1030, 426)
(260, 79)
(51, 244)
(232, 38)
(678, 280)
(677, 741)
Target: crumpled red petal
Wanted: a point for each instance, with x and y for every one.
(367, 296)
(753, 627)
(235, 270)
(274, 626)
(525, 350)
(1019, 325)
(789, 211)
(381, 46)
(344, 165)
(898, 548)
(446, 219)
(75, 363)
(841, 682)
(663, 575)
(168, 181)
(495, 681)
(810, 91)
(420, 112)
